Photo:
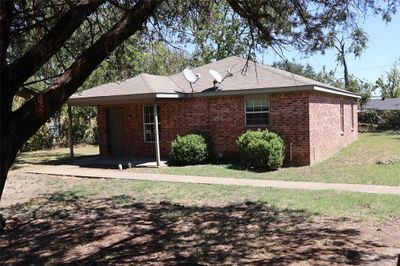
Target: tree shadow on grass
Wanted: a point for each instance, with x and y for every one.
(64, 228)
(237, 166)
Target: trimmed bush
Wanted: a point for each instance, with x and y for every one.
(190, 149)
(261, 150)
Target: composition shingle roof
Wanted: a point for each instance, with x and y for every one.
(246, 76)
(386, 104)
(255, 76)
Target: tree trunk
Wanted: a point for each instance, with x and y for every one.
(8, 154)
(346, 74)
(18, 126)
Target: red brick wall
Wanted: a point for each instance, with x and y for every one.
(222, 118)
(326, 137)
(289, 115)
(102, 129)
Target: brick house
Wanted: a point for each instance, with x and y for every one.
(314, 119)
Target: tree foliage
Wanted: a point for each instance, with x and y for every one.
(354, 43)
(361, 87)
(297, 68)
(389, 84)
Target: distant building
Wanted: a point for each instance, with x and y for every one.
(383, 104)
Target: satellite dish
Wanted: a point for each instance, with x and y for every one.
(189, 75)
(217, 77)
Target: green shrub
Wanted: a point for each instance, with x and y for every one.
(261, 149)
(41, 140)
(380, 120)
(190, 149)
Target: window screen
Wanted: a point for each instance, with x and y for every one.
(257, 112)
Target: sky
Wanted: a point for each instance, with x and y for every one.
(383, 49)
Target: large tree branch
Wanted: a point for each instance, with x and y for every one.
(245, 13)
(36, 111)
(22, 68)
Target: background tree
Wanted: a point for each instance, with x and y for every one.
(297, 68)
(41, 43)
(389, 84)
(226, 34)
(355, 85)
(355, 44)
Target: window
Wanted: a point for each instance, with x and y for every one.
(257, 112)
(341, 116)
(352, 116)
(148, 123)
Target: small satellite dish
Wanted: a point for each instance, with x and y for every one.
(189, 75)
(217, 77)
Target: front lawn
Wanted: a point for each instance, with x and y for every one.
(330, 203)
(54, 220)
(78, 221)
(357, 163)
(53, 156)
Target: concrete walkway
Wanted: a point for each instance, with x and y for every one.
(68, 170)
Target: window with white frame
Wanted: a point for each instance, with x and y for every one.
(148, 123)
(257, 111)
(341, 116)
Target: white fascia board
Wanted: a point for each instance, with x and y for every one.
(337, 92)
(169, 95)
(115, 99)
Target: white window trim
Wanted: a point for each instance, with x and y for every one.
(255, 112)
(144, 124)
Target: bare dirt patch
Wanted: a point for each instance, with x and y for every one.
(53, 227)
(70, 230)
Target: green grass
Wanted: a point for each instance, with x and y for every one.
(53, 156)
(330, 203)
(354, 164)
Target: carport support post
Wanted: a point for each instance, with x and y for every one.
(156, 133)
(71, 141)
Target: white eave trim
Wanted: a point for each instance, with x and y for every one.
(337, 92)
(112, 99)
(169, 95)
(116, 99)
